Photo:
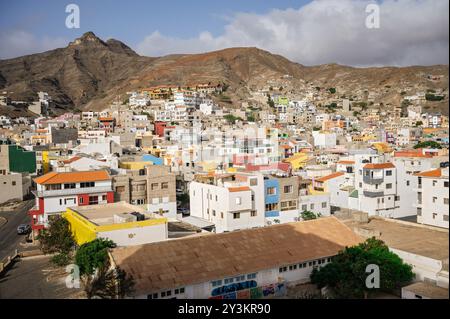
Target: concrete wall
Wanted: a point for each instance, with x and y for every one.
(12, 187)
(136, 235)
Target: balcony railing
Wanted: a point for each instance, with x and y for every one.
(373, 193)
(72, 191)
(372, 180)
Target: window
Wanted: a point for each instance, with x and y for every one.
(434, 199)
(282, 269)
(304, 207)
(434, 215)
(221, 215)
(445, 201)
(253, 182)
(271, 207)
(216, 198)
(324, 205)
(228, 280)
(434, 183)
(360, 184)
(103, 197)
(152, 296)
(251, 276)
(93, 200)
(213, 212)
(312, 206)
(446, 184)
(253, 213)
(81, 200)
(216, 283)
(389, 186)
(240, 278)
(253, 198)
(288, 189)
(165, 185)
(13, 183)
(238, 201)
(182, 290)
(154, 186)
(389, 173)
(407, 183)
(310, 263)
(60, 201)
(87, 184)
(70, 185)
(169, 293)
(236, 215)
(163, 294)
(271, 191)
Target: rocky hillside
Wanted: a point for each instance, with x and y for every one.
(89, 73)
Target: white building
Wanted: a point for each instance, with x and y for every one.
(230, 205)
(250, 264)
(433, 197)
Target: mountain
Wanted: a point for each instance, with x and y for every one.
(89, 73)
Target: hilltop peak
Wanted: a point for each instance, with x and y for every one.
(88, 37)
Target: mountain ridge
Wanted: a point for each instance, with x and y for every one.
(89, 73)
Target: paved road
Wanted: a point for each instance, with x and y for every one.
(9, 240)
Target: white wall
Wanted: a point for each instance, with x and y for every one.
(137, 235)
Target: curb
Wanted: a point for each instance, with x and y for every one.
(3, 221)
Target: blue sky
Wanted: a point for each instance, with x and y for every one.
(130, 21)
(411, 32)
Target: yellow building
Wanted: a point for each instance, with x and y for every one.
(297, 161)
(123, 223)
(134, 165)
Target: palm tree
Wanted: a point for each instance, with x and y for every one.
(108, 283)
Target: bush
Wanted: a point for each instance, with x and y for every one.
(61, 259)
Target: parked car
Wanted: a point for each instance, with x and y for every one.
(23, 229)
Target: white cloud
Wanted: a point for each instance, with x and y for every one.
(17, 43)
(412, 32)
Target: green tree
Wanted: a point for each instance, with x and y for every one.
(428, 144)
(345, 276)
(231, 119)
(57, 239)
(308, 215)
(93, 255)
(332, 90)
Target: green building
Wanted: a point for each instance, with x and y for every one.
(14, 158)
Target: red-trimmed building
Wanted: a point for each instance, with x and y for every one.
(55, 191)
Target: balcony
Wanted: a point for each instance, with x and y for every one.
(72, 191)
(373, 194)
(372, 180)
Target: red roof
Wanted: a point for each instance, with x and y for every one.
(238, 189)
(379, 165)
(346, 162)
(432, 173)
(328, 177)
(412, 153)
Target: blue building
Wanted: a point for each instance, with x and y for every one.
(271, 197)
(151, 158)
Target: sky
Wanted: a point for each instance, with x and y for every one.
(310, 32)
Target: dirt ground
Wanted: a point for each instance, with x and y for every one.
(36, 278)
